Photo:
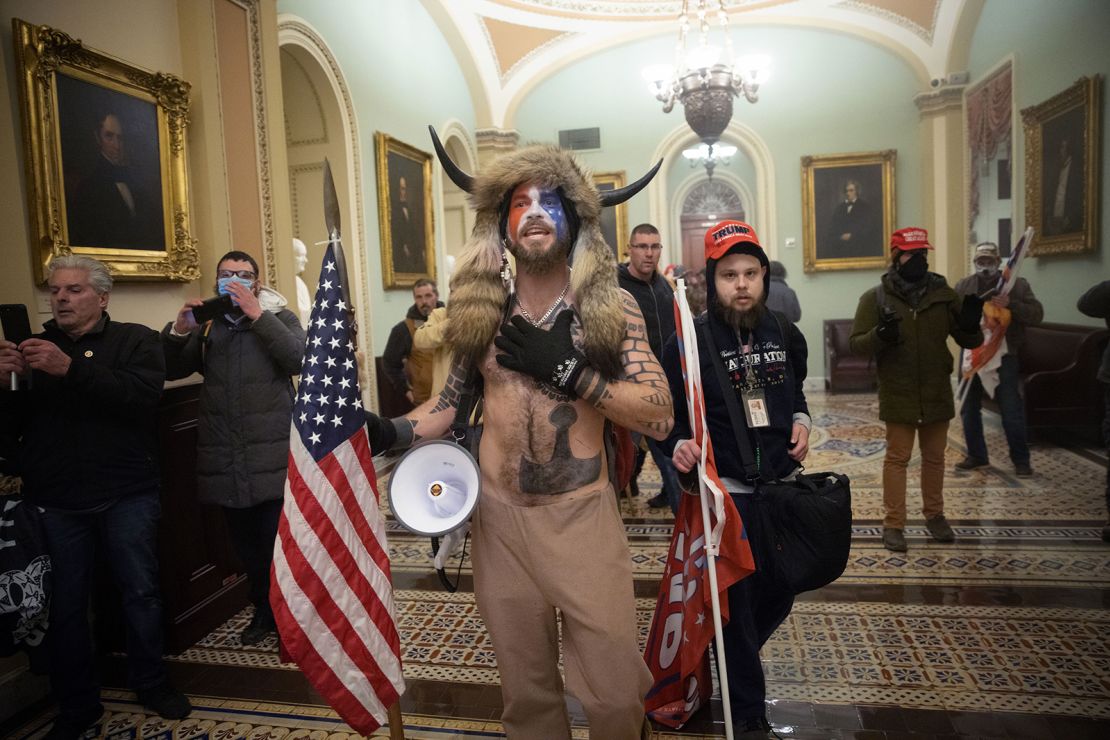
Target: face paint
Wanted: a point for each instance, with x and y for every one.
(529, 205)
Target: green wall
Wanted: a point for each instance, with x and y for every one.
(1053, 44)
(829, 93)
(402, 76)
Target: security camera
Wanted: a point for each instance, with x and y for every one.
(936, 82)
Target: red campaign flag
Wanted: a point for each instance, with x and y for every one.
(331, 588)
(682, 627)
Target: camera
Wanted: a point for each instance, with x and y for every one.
(213, 308)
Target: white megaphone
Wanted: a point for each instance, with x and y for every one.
(434, 489)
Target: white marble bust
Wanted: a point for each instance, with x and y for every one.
(304, 299)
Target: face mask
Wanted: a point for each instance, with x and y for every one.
(914, 268)
(222, 283)
(987, 271)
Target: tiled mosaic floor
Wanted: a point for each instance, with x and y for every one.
(1003, 633)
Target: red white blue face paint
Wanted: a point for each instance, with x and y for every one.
(533, 211)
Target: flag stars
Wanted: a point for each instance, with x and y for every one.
(327, 381)
(304, 416)
(341, 305)
(319, 419)
(334, 343)
(348, 364)
(314, 438)
(330, 362)
(337, 324)
(327, 285)
(321, 322)
(341, 402)
(350, 346)
(344, 383)
(336, 421)
(312, 360)
(330, 267)
(308, 379)
(323, 400)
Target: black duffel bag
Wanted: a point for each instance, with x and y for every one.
(810, 521)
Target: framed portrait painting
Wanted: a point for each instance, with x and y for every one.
(847, 210)
(404, 212)
(104, 147)
(614, 221)
(1062, 166)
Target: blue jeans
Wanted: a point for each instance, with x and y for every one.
(1009, 405)
(667, 473)
(125, 533)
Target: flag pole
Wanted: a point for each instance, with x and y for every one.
(712, 535)
(332, 221)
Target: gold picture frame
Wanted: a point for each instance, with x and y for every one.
(613, 221)
(839, 237)
(1062, 166)
(104, 149)
(405, 221)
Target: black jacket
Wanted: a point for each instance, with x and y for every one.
(246, 403)
(781, 378)
(89, 437)
(656, 301)
(1096, 304)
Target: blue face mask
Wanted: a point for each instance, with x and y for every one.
(222, 283)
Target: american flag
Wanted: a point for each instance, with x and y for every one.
(682, 627)
(331, 589)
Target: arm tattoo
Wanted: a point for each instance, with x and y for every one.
(594, 392)
(452, 390)
(406, 433)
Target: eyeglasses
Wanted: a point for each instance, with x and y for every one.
(648, 247)
(245, 274)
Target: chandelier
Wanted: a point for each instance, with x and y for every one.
(709, 155)
(706, 78)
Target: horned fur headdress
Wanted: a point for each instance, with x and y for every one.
(478, 292)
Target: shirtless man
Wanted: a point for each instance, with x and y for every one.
(558, 357)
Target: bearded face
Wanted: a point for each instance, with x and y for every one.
(741, 299)
(537, 228)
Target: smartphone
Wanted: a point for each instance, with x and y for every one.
(13, 318)
(213, 308)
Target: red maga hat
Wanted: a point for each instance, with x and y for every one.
(910, 238)
(727, 234)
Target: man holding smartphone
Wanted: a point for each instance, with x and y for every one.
(86, 454)
(247, 355)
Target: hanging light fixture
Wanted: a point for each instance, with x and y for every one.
(706, 78)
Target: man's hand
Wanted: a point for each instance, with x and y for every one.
(799, 443)
(380, 432)
(411, 398)
(547, 356)
(11, 361)
(185, 321)
(971, 313)
(245, 299)
(45, 356)
(450, 542)
(889, 329)
(687, 454)
(1001, 301)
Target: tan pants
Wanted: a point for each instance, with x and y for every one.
(932, 439)
(571, 556)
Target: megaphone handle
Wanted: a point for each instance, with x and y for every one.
(443, 579)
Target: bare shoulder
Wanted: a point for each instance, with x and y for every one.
(634, 318)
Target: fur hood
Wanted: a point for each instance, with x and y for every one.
(478, 295)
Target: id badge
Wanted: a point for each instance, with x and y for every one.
(755, 408)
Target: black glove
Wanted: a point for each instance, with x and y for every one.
(381, 432)
(548, 356)
(971, 313)
(889, 329)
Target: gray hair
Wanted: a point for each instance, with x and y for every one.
(99, 277)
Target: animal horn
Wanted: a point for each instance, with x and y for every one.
(460, 178)
(620, 195)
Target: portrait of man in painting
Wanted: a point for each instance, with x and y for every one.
(1062, 160)
(110, 168)
(848, 211)
(406, 216)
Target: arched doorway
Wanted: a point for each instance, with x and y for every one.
(709, 202)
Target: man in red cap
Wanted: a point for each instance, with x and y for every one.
(764, 358)
(905, 322)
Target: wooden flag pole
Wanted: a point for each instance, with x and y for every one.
(396, 722)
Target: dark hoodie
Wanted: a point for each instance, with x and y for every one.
(779, 364)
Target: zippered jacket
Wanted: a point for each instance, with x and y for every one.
(915, 373)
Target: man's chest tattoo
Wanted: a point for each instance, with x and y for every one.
(562, 472)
